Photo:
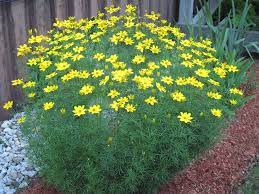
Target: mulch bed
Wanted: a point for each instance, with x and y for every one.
(219, 169)
(223, 167)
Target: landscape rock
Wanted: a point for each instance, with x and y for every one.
(15, 167)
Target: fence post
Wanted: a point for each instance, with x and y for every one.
(19, 18)
(61, 9)
(80, 9)
(8, 70)
(4, 90)
(43, 18)
(155, 6)
(185, 11)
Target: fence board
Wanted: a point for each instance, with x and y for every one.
(93, 8)
(4, 89)
(155, 5)
(163, 8)
(101, 5)
(146, 6)
(43, 18)
(123, 6)
(80, 9)
(172, 10)
(185, 11)
(19, 18)
(30, 14)
(8, 69)
(61, 9)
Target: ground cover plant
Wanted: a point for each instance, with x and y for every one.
(118, 103)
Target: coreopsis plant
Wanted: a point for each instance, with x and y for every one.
(118, 103)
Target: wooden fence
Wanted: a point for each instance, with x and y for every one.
(18, 16)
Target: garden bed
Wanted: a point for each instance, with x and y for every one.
(218, 170)
(120, 105)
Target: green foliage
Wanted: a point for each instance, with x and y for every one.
(251, 185)
(228, 34)
(79, 157)
(115, 150)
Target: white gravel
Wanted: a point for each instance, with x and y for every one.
(15, 167)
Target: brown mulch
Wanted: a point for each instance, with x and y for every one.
(219, 169)
(38, 187)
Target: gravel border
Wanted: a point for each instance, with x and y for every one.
(16, 170)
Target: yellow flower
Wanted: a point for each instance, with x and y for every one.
(166, 63)
(29, 84)
(202, 72)
(62, 66)
(51, 75)
(77, 57)
(50, 88)
(185, 117)
(216, 112)
(186, 56)
(130, 8)
(130, 108)
(178, 96)
(232, 68)
(97, 73)
(128, 41)
(187, 64)
(131, 96)
(109, 141)
(112, 9)
(17, 82)
(213, 82)
(121, 76)
(48, 105)
(152, 66)
(86, 89)
(138, 35)
(104, 81)
(113, 93)
(236, 91)
(233, 101)
(82, 74)
(122, 101)
(214, 95)
(79, 110)
(44, 65)
(23, 50)
(62, 110)
(140, 46)
(138, 59)
(8, 105)
(167, 80)
(160, 87)
(99, 56)
(21, 120)
(155, 49)
(95, 109)
(115, 105)
(151, 100)
(31, 95)
(143, 82)
(220, 72)
(78, 49)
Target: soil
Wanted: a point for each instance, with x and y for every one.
(218, 170)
